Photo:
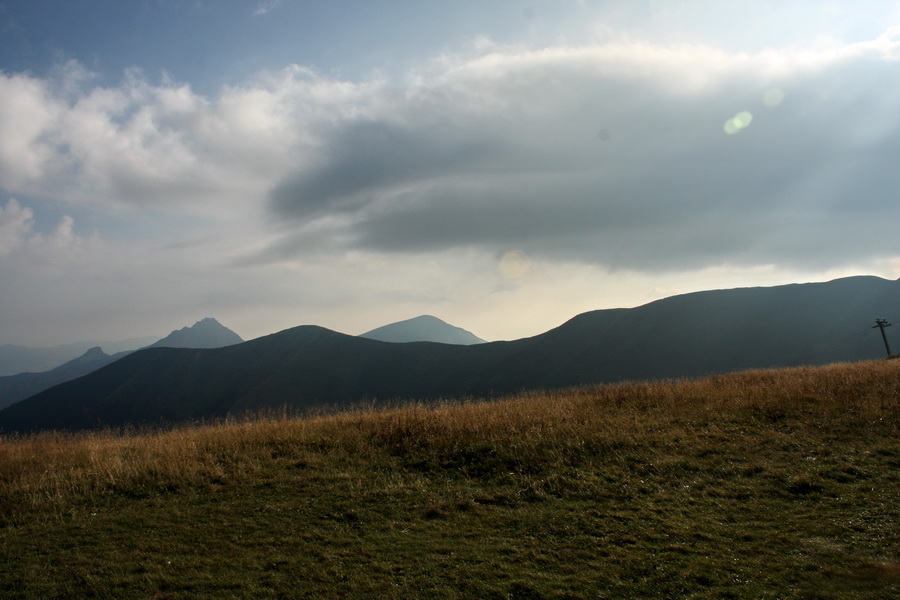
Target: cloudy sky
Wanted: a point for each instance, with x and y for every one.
(501, 165)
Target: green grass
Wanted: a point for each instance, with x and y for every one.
(767, 484)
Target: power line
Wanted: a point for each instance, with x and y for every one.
(881, 324)
(847, 339)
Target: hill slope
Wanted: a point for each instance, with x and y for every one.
(763, 484)
(304, 367)
(206, 333)
(423, 329)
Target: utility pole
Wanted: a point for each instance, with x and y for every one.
(881, 324)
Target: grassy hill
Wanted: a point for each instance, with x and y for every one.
(762, 484)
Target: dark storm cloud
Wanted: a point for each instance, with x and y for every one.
(366, 157)
(622, 169)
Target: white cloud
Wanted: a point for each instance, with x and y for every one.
(60, 247)
(26, 114)
(617, 155)
(264, 7)
(15, 224)
(164, 146)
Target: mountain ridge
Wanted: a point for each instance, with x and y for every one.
(309, 367)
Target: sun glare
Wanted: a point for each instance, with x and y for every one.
(515, 264)
(738, 122)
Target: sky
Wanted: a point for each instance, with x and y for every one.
(503, 165)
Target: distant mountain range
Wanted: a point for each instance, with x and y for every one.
(423, 329)
(305, 367)
(206, 333)
(22, 359)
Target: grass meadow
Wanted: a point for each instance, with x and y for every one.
(763, 484)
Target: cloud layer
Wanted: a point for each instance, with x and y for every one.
(623, 156)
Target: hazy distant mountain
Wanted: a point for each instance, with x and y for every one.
(14, 388)
(423, 329)
(207, 333)
(690, 335)
(22, 359)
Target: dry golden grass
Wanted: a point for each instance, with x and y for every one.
(46, 473)
(764, 484)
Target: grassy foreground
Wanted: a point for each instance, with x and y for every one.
(766, 484)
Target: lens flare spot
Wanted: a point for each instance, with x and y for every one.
(773, 97)
(515, 264)
(739, 121)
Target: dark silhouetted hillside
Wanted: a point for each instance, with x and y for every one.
(683, 336)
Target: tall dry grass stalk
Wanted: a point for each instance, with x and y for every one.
(52, 472)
